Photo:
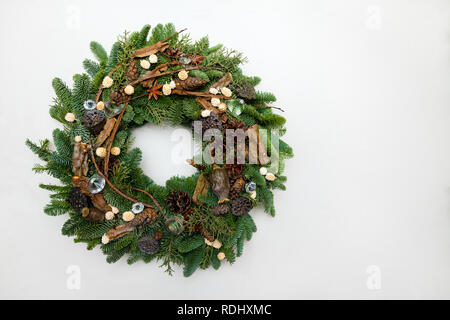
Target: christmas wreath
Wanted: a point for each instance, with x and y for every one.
(164, 78)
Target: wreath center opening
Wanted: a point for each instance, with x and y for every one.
(165, 151)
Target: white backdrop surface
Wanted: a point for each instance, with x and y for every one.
(366, 89)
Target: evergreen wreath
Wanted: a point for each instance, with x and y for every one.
(166, 78)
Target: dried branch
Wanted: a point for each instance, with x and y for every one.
(114, 187)
(111, 139)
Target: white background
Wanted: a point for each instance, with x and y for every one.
(366, 89)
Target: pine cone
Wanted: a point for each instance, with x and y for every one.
(221, 209)
(148, 245)
(118, 96)
(235, 125)
(78, 200)
(191, 83)
(178, 202)
(212, 121)
(94, 120)
(241, 206)
(205, 233)
(245, 91)
(236, 188)
(158, 235)
(132, 71)
(235, 170)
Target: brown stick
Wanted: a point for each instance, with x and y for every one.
(199, 94)
(111, 139)
(114, 187)
(151, 197)
(152, 75)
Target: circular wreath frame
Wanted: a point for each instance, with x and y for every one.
(195, 221)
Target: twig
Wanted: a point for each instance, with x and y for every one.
(153, 199)
(100, 89)
(114, 187)
(111, 139)
(259, 107)
(151, 76)
(199, 94)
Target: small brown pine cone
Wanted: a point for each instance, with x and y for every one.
(212, 122)
(118, 96)
(221, 210)
(237, 187)
(205, 233)
(158, 235)
(191, 83)
(178, 202)
(235, 170)
(132, 71)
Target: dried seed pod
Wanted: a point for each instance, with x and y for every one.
(94, 120)
(148, 245)
(241, 206)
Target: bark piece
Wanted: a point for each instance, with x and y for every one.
(80, 157)
(104, 134)
(92, 214)
(223, 82)
(255, 145)
(220, 183)
(145, 217)
(201, 188)
(207, 105)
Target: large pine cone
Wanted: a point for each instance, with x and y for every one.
(94, 120)
(178, 201)
(241, 206)
(118, 96)
(245, 91)
(78, 200)
(148, 245)
(132, 71)
(191, 83)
